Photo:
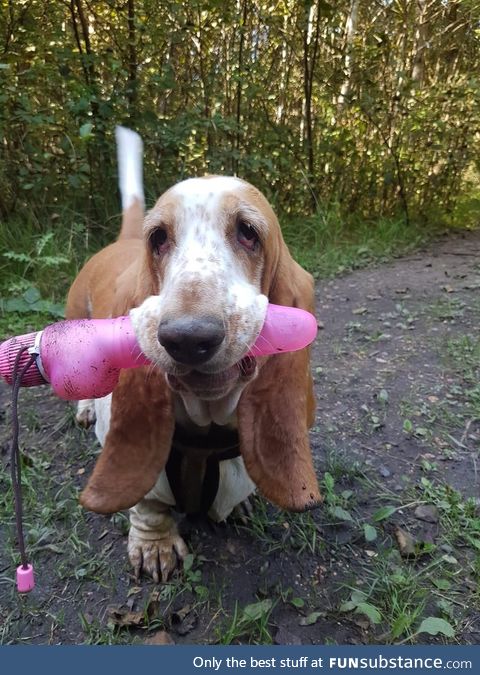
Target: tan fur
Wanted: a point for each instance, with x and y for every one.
(100, 283)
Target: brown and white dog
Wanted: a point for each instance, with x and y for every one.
(204, 426)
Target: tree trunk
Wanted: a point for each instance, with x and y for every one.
(421, 41)
(350, 30)
(311, 37)
(132, 63)
(238, 112)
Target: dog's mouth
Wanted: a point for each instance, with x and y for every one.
(213, 384)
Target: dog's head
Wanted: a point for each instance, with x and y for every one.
(209, 247)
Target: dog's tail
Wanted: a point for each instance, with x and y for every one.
(130, 176)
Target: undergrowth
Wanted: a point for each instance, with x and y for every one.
(326, 245)
(39, 259)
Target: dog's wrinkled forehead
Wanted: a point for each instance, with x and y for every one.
(210, 203)
(206, 193)
(203, 207)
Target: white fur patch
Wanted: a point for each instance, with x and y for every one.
(103, 414)
(235, 485)
(194, 190)
(130, 161)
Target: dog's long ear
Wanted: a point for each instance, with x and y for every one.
(137, 445)
(278, 407)
(139, 438)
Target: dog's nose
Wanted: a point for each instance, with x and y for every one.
(191, 341)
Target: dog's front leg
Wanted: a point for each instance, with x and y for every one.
(154, 545)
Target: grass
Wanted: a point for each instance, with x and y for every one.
(279, 530)
(54, 524)
(248, 625)
(405, 598)
(327, 245)
(400, 593)
(37, 264)
(456, 404)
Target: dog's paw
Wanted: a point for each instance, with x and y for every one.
(85, 416)
(243, 511)
(156, 557)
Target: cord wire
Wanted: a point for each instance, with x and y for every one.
(15, 460)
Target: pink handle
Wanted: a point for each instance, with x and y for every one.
(286, 329)
(83, 358)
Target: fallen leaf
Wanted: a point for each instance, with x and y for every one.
(384, 471)
(232, 547)
(362, 622)
(311, 619)
(406, 542)
(122, 616)
(161, 637)
(118, 616)
(184, 620)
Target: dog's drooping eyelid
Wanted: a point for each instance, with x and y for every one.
(158, 240)
(247, 235)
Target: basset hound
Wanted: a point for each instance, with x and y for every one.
(204, 426)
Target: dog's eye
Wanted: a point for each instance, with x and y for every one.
(247, 236)
(159, 240)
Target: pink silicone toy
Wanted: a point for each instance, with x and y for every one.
(83, 358)
(25, 579)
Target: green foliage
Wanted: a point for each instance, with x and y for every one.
(249, 624)
(326, 244)
(380, 121)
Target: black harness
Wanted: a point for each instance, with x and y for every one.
(193, 469)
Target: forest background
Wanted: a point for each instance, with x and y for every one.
(359, 120)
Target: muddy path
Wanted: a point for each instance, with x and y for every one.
(396, 543)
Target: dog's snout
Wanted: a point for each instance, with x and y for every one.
(191, 341)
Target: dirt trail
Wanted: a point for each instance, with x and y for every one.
(385, 329)
(398, 538)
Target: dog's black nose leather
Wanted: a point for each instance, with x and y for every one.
(191, 341)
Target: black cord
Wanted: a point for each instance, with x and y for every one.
(15, 461)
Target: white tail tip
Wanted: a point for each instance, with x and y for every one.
(130, 166)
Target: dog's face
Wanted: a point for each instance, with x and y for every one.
(205, 242)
